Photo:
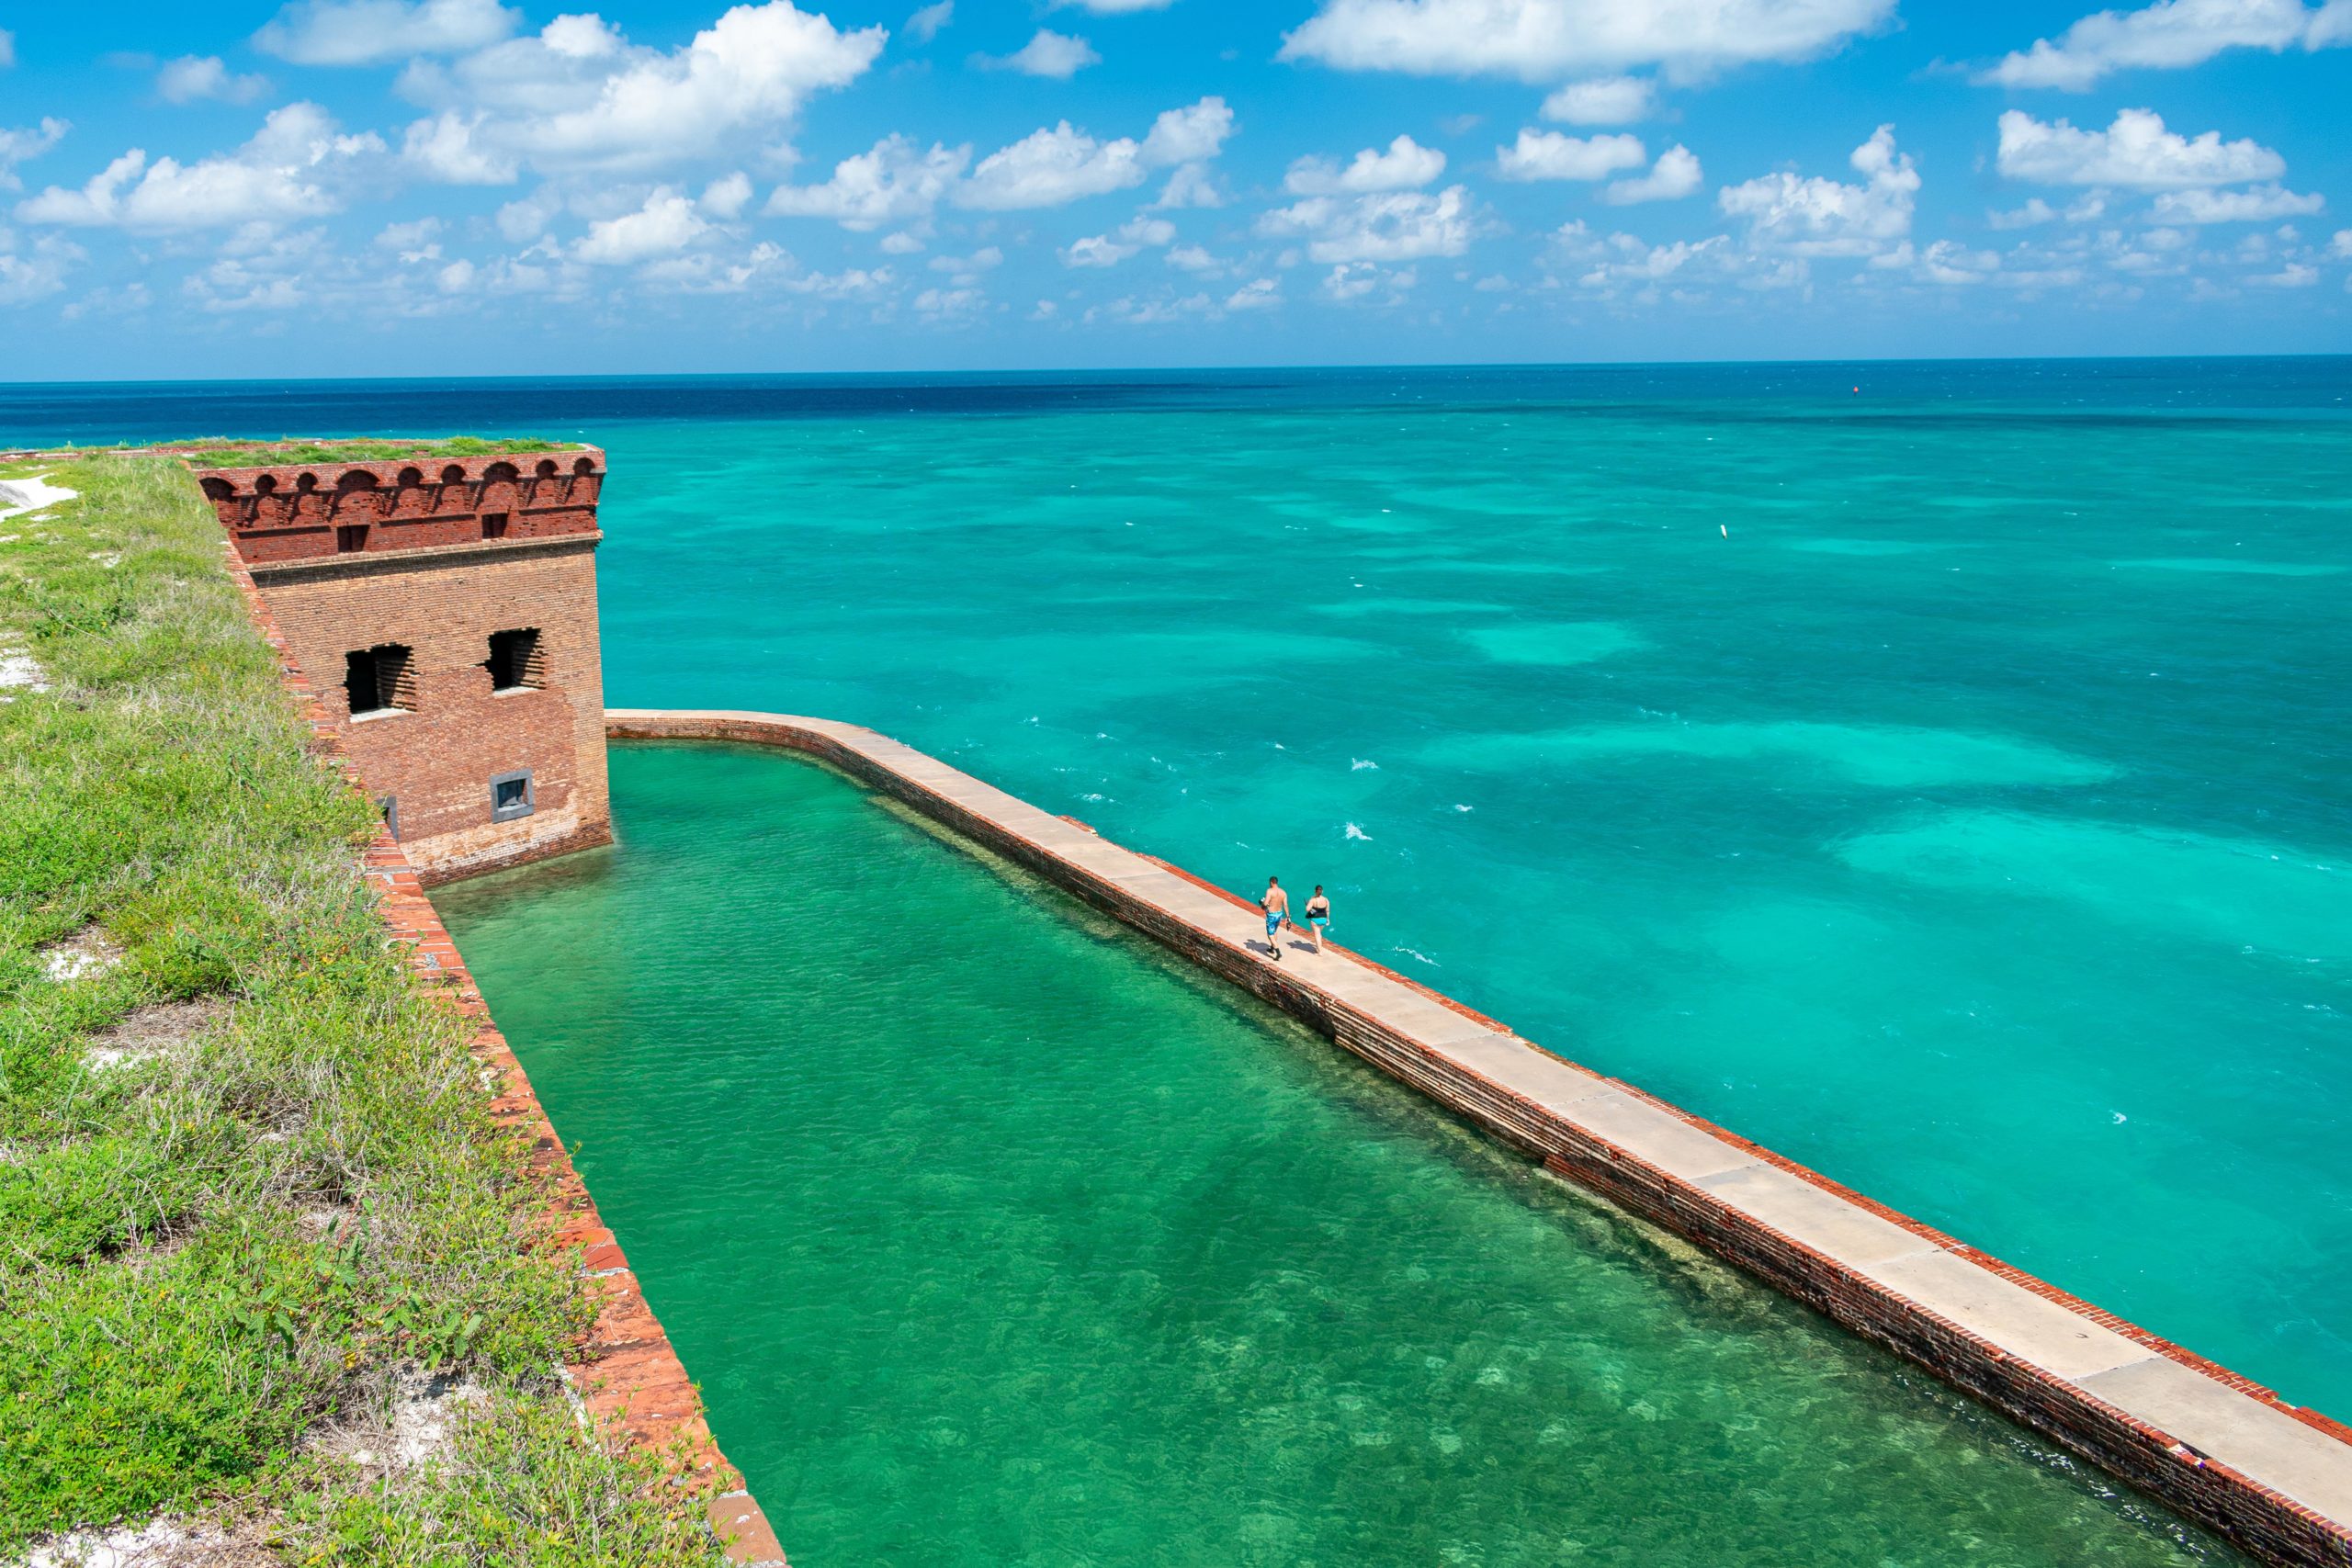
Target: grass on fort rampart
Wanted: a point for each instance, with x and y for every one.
(249, 1188)
(284, 454)
(211, 452)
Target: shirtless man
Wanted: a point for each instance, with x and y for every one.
(1276, 904)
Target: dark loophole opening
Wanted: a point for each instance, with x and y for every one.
(494, 524)
(379, 679)
(510, 795)
(515, 662)
(350, 536)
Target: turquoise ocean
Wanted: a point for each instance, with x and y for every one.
(1939, 772)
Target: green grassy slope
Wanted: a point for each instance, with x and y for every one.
(221, 1250)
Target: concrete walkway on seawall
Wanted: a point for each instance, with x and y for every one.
(2272, 1479)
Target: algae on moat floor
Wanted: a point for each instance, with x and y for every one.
(995, 1235)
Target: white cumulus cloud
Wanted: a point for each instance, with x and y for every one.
(40, 271)
(1049, 168)
(192, 77)
(1541, 41)
(1190, 134)
(894, 182)
(27, 142)
(1051, 54)
(446, 149)
(1406, 166)
(2135, 152)
(1549, 156)
(1117, 7)
(666, 224)
(296, 166)
(1604, 100)
(964, 271)
(368, 33)
(1675, 175)
(578, 94)
(1625, 264)
(924, 24)
(1822, 217)
(1391, 226)
(726, 196)
(2169, 36)
(1109, 250)
(2258, 204)
(1257, 293)
(1192, 185)
(2294, 275)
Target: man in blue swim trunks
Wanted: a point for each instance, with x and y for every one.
(1276, 902)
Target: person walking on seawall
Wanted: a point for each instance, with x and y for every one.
(1318, 916)
(1276, 902)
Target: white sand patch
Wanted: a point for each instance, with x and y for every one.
(19, 673)
(158, 1543)
(162, 1030)
(86, 952)
(30, 495)
(409, 1422)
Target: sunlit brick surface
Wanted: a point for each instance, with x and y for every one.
(432, 558)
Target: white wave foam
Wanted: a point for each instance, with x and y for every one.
(1357, 764)
(1356, 832)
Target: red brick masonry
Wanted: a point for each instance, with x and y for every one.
(439, 559)
(293, 512)
(2273, 1479)
(626, 1372)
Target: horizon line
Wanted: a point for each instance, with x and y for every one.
(1075, 370)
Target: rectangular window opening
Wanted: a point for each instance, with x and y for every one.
(390, 804)
(510, 795)
(517, 663)
(379, 679)
(494, 524)
(350, 536)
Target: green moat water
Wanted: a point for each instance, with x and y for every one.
(995, 1236)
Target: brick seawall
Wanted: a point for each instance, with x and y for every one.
(625, 1373)
(2272, 1479)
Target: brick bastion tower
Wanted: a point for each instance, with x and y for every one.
(445, 610)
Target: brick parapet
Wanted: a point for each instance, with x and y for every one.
(1477, 1069)
(305, 511)
(626, 1371)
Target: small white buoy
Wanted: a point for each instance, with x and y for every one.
(1726, 528)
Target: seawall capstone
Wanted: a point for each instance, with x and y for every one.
(2274, 1480)
(625, 1373)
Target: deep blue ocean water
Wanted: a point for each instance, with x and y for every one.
(1936, 772)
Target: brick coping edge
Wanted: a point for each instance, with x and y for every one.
(2081, 1417)
(625, 1375)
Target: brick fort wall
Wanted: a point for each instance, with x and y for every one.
(422, 562)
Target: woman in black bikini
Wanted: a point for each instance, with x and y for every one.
(1318, 916)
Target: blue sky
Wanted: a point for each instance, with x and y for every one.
(420, 186)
